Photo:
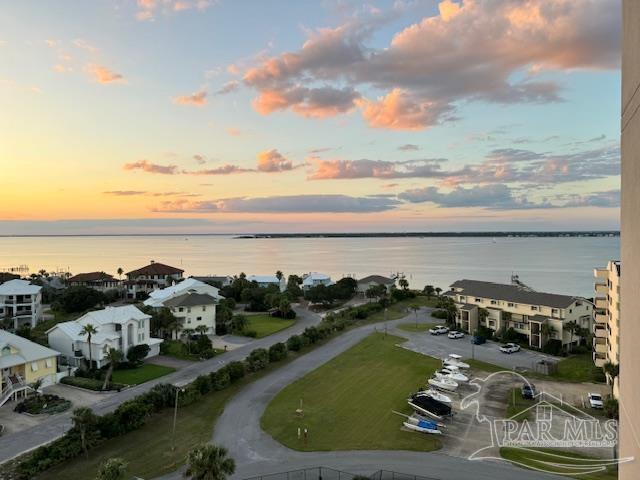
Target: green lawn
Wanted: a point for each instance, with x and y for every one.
(144, 373)
(401, 309)
(265, 325)
(173, 348)
(576, 368)
(348, 401)
(535, 460)
(516, 404)
(413, 328)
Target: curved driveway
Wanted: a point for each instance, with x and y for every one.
(17, 443)
(257, 453)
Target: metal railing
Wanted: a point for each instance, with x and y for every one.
(325, 473)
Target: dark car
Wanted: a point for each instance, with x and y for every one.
(478, 340)
(528, 391)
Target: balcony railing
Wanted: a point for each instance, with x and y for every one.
(600, 332)
(601, 318)
(601, 303)
(602, 289)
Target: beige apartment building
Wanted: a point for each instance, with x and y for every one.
(606, 327)
(537, 315)
(629, 378)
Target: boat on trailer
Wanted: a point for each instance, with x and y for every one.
(455, 360)
(422, 426)
(427, 405)
(441, 397)
(443, 383)
(453, 375)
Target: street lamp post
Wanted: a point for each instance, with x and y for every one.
(175, 418)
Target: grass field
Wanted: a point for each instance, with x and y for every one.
(577, 368)
(516, 404)
(144, 373)
(536, 459)
(413, 328)
(265, 325)
(401, 309)
(348, 401)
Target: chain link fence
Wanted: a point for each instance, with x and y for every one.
(325, 473)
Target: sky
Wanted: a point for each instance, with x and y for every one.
(197, 116)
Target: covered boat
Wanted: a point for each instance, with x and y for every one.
(441, 397)
(455, 360)
(423, 426)
(427, 405)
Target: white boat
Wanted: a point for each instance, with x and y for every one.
(453, 375)
(443, 383)
(422, 426)
(441, 397)
(455, 360)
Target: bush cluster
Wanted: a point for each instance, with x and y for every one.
(133, 414)
(90, 383)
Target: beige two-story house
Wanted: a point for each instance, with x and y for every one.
(537, 315)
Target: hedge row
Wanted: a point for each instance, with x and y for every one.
(133, 414)
(90, 383)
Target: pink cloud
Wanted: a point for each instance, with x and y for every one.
(149, 167)
(226, 169)
(234, 132)
(197, 99)
(103, 75)
(398, 111)
(273, 161)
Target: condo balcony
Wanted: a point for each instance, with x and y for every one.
(601, 273)
(601, 317)
(602, 289)
(599, 359)
(602, 303)
(600, 332)
(600, 345)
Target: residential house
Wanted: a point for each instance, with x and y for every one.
(193, 310)
(518, 307)
(23, 362)
(146, 279)
(158, 297)
(218, 281)
(373, 281)
(117, 327)
(269, 280)
(100, 281)
(21, 302)
(313, 279)
(606, 326)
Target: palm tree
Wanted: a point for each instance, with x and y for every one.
(438, 290)
(571, 326)
(202, 329)
(279, 275)
(209, 462)
(547, 330)
(429, 290)
(114, 356)
(404, 283)
(415, 307)
(611, 370)
(188, 332)
(35, 386)
(89, 330)
(120, 271)
(83, 421)
(284, 306)
(112, 469)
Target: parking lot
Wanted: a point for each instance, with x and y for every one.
(440, 346)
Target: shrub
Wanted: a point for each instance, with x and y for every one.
(49, 404)
(202, 383)
(138, 352)
(312, 334)
(598, 375)
(277, 352)
(220, 379)
(611, 408)
(552, 347)
(441, 314)
(250, 333)
(258, 359)
(294, 343)
(209, 353)
(89, 383)
(237, 370)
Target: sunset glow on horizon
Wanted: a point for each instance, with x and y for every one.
(216, 116)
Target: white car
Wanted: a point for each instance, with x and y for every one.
(595, 400)
(438, 330)
(455, 334)
(510, 348)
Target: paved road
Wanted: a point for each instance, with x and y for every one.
(256, 453)
(441, 346)
(14, 444)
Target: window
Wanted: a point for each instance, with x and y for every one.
(34, 366)
(188, 309)
(199, 319)
(533, 307)
(48, 362)
(494, 302)
(510, 304)
(181, 309)
(478, 300)
(188, 320)
(204, 309)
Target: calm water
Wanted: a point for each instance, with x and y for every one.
(562, 265)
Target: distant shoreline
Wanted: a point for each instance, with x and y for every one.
(514, 234)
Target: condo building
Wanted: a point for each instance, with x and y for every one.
(537, 315)
(606, 327)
